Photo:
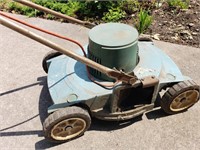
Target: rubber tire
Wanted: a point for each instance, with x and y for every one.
(49, 55)
(173, 92)
(62, 114)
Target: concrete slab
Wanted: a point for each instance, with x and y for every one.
(24, 99)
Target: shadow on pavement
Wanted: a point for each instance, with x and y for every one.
(44, 144)
(42, 105)
(156, 113)
(101, 125)
(7, 128)
(23, 133)
(40, 79)
(45, 102)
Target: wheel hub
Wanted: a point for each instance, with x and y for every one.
(68, 129)
(184, 100)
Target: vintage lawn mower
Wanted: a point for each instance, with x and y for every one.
(122, 80)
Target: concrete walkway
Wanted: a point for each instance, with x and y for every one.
(24, 99)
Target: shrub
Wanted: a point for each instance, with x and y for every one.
(183, 4)
(69, 7)
(130, 6)
(20, 8)
(113, 15)
(98, 11)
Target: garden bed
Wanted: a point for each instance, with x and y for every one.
(181, 26)
(175, 21)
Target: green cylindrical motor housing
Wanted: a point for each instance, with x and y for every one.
(114, 45)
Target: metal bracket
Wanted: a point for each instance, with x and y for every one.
(149, 81)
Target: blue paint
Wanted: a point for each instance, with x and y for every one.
(154, 61)
(66, 76)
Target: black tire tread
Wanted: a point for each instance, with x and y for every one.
(174, 91)
(62, 114)
(49, 55)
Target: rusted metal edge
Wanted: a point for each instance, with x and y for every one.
(149, 81)
(124, 115)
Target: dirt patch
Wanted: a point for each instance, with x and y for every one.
(177, 25)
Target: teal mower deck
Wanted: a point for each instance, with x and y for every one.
(120, 77)
(116, 46)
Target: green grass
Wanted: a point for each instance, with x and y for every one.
(144, 21)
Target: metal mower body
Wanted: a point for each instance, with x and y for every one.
(69, 85)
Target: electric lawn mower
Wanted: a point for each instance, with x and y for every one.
(118, 78)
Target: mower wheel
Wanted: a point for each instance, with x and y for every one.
(180, 97)
(66, 124)
(49, 55)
